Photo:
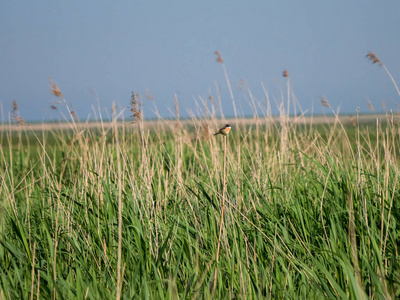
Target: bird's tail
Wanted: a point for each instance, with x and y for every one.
(219, 132)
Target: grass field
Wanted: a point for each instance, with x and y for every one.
(299, 211)
(279, 208)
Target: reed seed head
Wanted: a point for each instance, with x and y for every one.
(135, 103)
(20, 121)
(374, 58)
(219, 58)
(137, 115)
(324, 102)
(54, 89)
(14, 106)
(285, 74)
(370, 105)
(74, 115)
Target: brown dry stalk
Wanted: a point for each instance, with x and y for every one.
(370, 105)
(176, 107)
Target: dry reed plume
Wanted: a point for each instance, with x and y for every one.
(324, 102)
(285, 73)
(74, 115)
(135, 104)
(54, 89)
(370, 105)
(14, 106)
(20, 121)
(15, 114)
(374, 59)
(219, 58)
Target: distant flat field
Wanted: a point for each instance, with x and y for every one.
(319, 119)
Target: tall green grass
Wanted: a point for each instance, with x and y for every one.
(317, 220)
(166, 211)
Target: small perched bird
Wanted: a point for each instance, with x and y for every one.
(224, 130)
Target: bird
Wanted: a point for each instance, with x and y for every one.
(224, 130)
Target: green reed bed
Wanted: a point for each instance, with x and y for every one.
(133, 211)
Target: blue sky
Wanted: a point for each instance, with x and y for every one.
(167, 47)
